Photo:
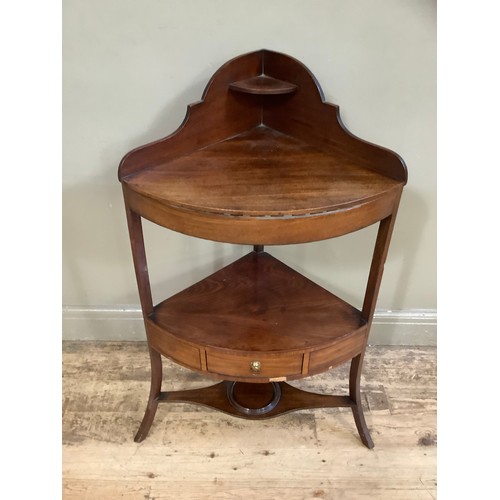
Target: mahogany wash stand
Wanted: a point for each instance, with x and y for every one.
(262, 159)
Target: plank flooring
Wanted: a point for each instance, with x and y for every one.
(198, 453)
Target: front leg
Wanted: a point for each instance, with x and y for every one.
(355, 395)
(154, 393)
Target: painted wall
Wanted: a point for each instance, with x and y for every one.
(130, 67)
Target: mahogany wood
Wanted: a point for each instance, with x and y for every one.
(263, 85)
(261, 159)
(292, 399)
(201, 126)
(374, 279)
(305, 115)
(154, 395)
(175, 348)
(262, 173)
(377, 265)
(257, 304)
(140, 262)
(256, 309)
(271, 230)
(355, 396)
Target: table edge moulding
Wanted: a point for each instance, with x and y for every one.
(260, 160)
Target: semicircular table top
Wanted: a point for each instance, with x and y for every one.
(260, 173)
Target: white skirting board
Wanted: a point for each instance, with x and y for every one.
(404, 327)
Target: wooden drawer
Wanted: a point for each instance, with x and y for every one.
(172, 347)
(254, 365)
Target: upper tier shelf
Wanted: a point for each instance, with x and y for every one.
(263, 85)
(261, 173)
(262, 159)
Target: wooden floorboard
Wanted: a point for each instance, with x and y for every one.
(197, 453)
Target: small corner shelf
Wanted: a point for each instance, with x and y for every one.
(263, 85)
(260, 172)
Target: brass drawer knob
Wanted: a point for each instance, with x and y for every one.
(255, 366)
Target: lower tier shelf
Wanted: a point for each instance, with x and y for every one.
(257, 320)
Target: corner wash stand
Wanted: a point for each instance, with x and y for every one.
(260, 160)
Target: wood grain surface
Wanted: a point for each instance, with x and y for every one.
(197, 453)
(257, 304)
(263, 85)
(257, 308)
(262, 172)
(260, 145)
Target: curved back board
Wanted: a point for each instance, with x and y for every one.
(218, 115)
(223, 112)
(305, 115)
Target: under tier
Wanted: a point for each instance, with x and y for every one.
(257, 320)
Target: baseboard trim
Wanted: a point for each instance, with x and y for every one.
(406, 327)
